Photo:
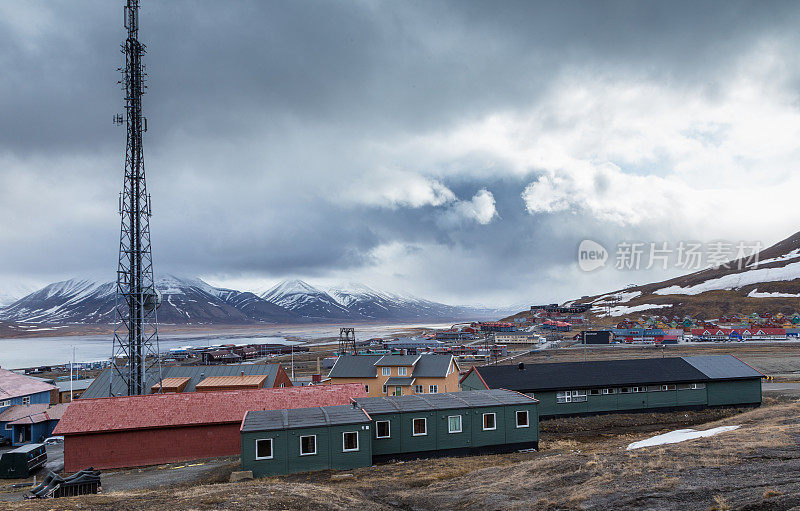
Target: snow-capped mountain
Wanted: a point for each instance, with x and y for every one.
(10, 293)
(306, 300)
(769, 282)
(184, 301)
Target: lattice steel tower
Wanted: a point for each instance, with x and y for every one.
(135, 356)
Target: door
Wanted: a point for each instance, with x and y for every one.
(398, 391)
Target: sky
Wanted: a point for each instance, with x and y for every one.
(460, 151)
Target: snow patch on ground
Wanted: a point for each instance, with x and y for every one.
(737, 280)
(622, 310)
(755, 294)
(679, 435)
(625, 296)
(794, 254)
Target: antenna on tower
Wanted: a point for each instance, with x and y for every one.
(135, 355)
(347, 341)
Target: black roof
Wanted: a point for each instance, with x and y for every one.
(445, 401)
(608, 373)
(274, 420)
(99, 387)
(399, 381)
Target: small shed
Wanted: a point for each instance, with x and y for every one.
(277, 442)
(174, 385)
(241, 382)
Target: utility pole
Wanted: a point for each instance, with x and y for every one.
(136, 301)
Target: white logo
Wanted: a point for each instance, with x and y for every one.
(591, 255)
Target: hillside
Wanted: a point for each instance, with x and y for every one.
(769, 284)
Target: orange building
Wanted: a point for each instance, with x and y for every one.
(398, 375)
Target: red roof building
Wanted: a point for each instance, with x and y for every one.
(119, 432)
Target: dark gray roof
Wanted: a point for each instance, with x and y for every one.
(397, 360)
(445, 401)
(99, 388)
(275, 420)
(399, 381)
(365, 366)
(605, 373)
(724, 367)
(355, 366)
(63, 386)
(432, 366)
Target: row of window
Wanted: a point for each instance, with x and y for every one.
(418, 389)
(26, 400)
(578, 396)
(420, 424)
(383, 429)
(308, 445)
(401, 371)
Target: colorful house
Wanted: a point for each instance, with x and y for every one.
(398, 375)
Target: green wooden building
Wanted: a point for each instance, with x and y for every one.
(451, 424)
(277, 442)
(608, 386)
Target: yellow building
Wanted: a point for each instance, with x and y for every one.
(397, 375)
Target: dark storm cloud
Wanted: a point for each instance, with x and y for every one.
(261, 112)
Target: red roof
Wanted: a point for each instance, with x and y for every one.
(33, 414)
(16, 385)
(194, 408)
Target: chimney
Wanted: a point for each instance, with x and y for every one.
(521, 366)
(242, 374)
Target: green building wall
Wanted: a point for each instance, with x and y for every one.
(472, 435)
(286, 458)
(715, 393)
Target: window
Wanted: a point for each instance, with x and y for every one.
(26, 400)
(366, 389)
(9, 427)
(625, 390)
(308, 445)
(420, 427)
(7, 402)
(282, 385)
(668, 387)
(609, 391)
(350, 441)
(383, 429)
(638, 389)
(402, 371)
(489, 421)
(698, 385)
(454, 424)
(433, 389)
(654, 388)
(571, 396)
(594, 392)
(264, 449)
(522, 419)
(386, 371)
(419, 389)
(384, 389)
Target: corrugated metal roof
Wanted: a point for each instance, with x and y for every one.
(63, 386)
(275, 420)
(197, 373)
(722, 367)
(365, 366)
(16, 385)
(590, 374)
(194, 408)
(355, 366)
(397, 360)
(33, 414)
(232, 381)
(399, 381)
(445, 401)
(432, 366)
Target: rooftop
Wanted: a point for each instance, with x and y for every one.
(33, 414)
(449, 400)
(272, 420)
(194, 408)
(253, 380)
(603, 373)
(195, 373)
(365, 366)
(16, 385)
